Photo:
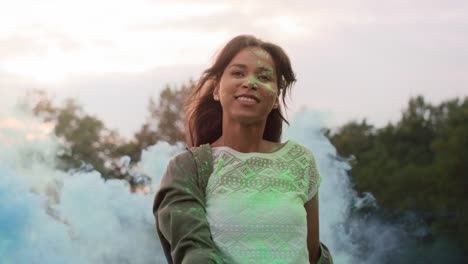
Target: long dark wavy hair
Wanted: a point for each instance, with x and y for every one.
(203, 115)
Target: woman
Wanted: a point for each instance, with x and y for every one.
(239, 195)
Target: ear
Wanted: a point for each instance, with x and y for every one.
(216, 92)
(276, 104)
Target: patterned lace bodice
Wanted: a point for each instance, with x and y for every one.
(255, 203)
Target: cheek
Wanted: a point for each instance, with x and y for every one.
(229, 86)
(270, 91)
(225, 92)
(268, 87)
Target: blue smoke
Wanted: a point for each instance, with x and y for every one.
(49, 216)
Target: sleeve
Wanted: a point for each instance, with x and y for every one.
(314, 177)
(325, 256)
(179, 210)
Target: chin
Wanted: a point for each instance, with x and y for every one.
(249, 119)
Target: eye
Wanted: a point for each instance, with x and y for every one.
(264, 78)
(237, 73)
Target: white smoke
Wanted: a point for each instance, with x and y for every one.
(350, 240)
(50, 216)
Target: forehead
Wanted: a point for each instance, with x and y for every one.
(254, 56)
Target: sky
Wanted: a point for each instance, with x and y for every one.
(353, 59)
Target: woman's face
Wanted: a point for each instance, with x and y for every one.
(252, 73)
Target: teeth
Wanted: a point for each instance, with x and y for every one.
(246, 99)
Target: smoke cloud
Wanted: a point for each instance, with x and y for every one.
(50, 216)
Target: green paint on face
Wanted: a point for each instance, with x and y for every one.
(267, 72)
(262, 54)
(263, 79)
(259, 63)
(265, 75)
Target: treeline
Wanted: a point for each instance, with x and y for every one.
(419, 164)
(89, 145)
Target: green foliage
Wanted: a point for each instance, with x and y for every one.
(90, 143)
(419, 164)
(170, 114)
(165, 122)
(86, 139)
(353, 138)
(167, 115)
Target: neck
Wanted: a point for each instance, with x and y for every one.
(242, 137)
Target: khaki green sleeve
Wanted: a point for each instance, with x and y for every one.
(179, 210)
(325, 256)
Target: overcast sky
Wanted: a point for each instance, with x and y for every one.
(353, 59)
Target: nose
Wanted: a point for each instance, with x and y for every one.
(249, 83)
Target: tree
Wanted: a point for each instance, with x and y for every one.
(418, 164)
(451, 156)
(166, 119)
(353, 138)
(85, 137)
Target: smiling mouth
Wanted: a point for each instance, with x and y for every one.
(247, 98)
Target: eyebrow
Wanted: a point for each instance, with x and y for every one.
(245, 66)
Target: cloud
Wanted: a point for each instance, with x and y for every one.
(353, 59)
(119, 99)
(20, 46)
(35, 44)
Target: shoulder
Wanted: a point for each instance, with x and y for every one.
(183, 155)
(183, 159)
(178, 169)
(300, 147)
(190, 157)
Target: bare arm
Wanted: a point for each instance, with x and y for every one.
(313, 241)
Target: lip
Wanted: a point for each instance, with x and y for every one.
(253, 96)
(246, 103)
